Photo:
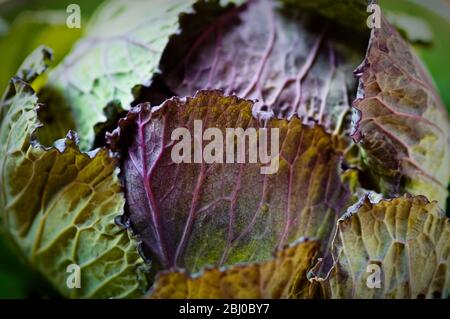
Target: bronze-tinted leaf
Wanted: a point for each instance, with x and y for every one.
(282, 277)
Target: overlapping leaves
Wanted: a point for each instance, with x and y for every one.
(122, 50)
(192, 215)
(290, 62)
(395, 248)
(201, 241)
(58, 205)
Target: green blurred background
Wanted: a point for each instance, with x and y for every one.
(24, 25)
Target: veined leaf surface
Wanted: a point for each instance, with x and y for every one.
(402, 126)
(191, 215)
(58, 204)
(282, 277)
(396, 248)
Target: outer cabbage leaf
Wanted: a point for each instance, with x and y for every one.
(291, 63)
(283, 277)
(191, 215)
(435, 55)
(122, 49)
(58, 205)
(403, 127)
(408, 238)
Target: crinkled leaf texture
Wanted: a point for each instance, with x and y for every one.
(406, 238)
(191, 215)
(122, 49)
(283, 277)
(402, 125)
(288, 61)
(58, 204)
